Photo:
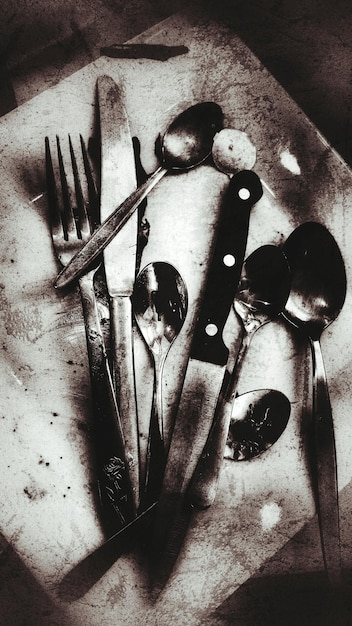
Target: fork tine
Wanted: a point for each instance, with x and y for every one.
(93, 195)
(53, 203)
(68, 220)
(83, 225)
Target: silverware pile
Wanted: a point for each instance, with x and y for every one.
(304, 282)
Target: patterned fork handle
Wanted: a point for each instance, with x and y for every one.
(73, 214)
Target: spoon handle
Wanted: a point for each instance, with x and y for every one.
(325, 466)
(156, 460)
(205, 480)
(102, 235)
(156, 453)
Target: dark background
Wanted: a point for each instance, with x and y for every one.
(306, 44)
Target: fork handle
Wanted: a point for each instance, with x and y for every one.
(114, 481)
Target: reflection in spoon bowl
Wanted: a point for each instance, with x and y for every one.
(317, 296)
(160, 305)
(258, 420)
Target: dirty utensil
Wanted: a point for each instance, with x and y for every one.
(74, 209)
(258, 420)
(186, 144)
(262, 293)
(160, 306)
(317, 296)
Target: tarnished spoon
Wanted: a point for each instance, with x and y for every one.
(262, 293)
(258, 419)
(317, 296)
(160, 304)
(186, 143)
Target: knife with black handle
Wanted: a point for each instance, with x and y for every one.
(205, 373)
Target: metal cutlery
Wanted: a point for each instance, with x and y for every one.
(257, 421)
(317, 296)
(160, 304)
(205, 372)
(118, 180)
(186, 144)
(74, 212)
(262, 293)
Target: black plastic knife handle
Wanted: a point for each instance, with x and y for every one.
(244, 190)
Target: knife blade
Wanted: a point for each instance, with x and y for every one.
(204, 374)
(118, 180)
(158, 52)
(83, 576)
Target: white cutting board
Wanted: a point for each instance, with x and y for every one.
(47, 509)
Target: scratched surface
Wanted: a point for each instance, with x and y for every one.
(264, 513)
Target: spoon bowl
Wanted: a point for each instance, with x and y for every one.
(318, 288)
(258, 420)
(189, 138)
(263, 289)
(160, 303)
(317, 296)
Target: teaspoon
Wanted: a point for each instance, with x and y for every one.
(262, 293)
(258, 419)
(160, 304)
(317, 296)
(186, 143)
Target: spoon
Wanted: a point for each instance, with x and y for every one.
(186, 143)
(317, 296)
(258, 419)
(160, 306)
(262, 293)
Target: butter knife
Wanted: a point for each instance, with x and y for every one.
(118, 181)
(204, 375)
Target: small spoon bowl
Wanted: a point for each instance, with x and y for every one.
(263, 289)
(258, 420)
(160, 303)
(188, 140)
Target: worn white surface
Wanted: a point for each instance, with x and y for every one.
(47, 511)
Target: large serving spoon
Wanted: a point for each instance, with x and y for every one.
(186, 143)
(317, 296)
(160, 304)
(262, 293)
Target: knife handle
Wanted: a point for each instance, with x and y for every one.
(205, 480)
(244, 190)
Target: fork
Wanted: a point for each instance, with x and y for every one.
(74, 213)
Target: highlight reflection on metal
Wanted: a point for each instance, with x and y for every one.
(160, 304)
(255, 426)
